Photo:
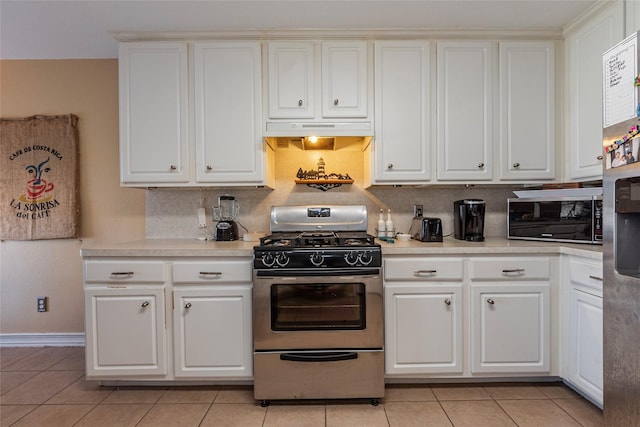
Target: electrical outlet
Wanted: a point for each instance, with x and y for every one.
(417, 210)
(42, 304)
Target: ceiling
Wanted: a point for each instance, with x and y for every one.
(52, 29)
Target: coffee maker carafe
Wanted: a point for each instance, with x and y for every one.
(469, 220)
(225, 213)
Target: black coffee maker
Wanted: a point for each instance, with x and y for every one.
(225, 213)
(468, 220)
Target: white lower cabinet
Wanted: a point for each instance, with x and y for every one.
(132, 319)
(584, 364)
(125, 331)
(423, 328)
(212, 331)
(468, 316)
(510, 314)
(423, 315)
(510, 331)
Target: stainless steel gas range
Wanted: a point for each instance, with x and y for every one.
(318, 311)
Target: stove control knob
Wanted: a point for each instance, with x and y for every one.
(366, 258)
(351, 257)
(268, 259)
(316, 259)
(282, 259)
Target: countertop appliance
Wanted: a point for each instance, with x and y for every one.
(621, 213)
(317, 306)
(573, 219)
(225, 213)
(468, 220)
(426, 229)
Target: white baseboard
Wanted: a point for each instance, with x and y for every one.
(71, 339)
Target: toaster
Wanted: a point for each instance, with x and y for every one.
(426, 229)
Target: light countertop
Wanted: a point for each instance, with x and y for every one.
(450, 246)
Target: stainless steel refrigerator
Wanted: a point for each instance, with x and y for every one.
(621, 236)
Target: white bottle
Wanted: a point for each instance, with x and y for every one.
(389, 226)
(381, 226)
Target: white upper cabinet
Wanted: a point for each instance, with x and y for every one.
(402, 147)
(153, 113)
(527, 113)
(584, 48)
(465, 105)
(191, 115)
(319, 87)
(344, 79)
(227, 112)
(292, 79)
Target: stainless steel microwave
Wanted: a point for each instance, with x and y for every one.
(575, 219)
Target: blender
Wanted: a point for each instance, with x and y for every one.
(225, 213)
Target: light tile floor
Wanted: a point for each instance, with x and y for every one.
(46, 387)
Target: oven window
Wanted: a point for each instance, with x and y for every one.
(317, 306)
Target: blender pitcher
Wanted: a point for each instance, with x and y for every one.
(225, 213)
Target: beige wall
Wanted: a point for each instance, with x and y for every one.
(53, 268)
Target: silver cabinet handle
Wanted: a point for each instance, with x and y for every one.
(516, 165)
(145, 304)
(121, 274)
(210, 273)
(599, 279)
(480, 165)
(187, 305)
(447, 301)
(390, 166)
(513, 270)
(600, 157)
(173, 167)
(490, 301)
(335, 102)
(299, 102)
(419, 272)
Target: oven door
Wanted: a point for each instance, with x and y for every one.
(317, 309)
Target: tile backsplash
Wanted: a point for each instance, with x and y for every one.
(172, 213)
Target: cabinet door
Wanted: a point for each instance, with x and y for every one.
(527, 113)
(291, 80)
(228, 112)
(402, 150)
(423, 328)
(212, 332)
(585, 47)
(585, 345)
(125, 332)
(153, 113)
(344, 79)
(510, 331)
(465, 105)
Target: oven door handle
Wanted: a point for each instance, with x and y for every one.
(319, 357)
(321, 272)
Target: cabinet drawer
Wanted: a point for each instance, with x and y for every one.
(587, 275)
(510, 269)
(212, 271)
(430, 269)
(124, 271)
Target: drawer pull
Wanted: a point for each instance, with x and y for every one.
(187, 305)
(145, 304)
(490, 301)
(210, 273)
(121, 274)
(513, 270)
(599, 279)
(447, 301)
(419, 272)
